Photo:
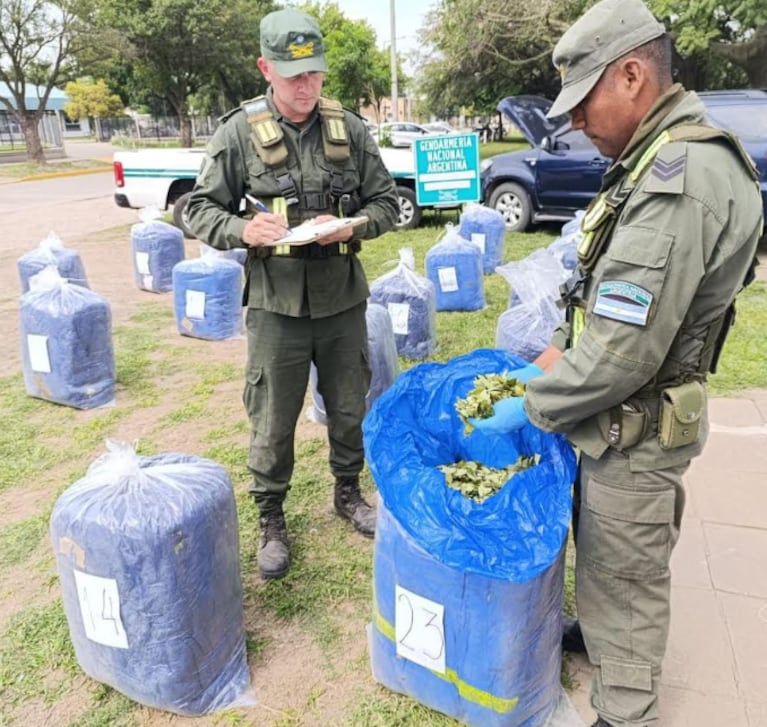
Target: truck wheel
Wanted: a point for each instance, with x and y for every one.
(513, 203)
(409, 211)
(179, 215)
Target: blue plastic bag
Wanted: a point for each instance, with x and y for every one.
(410, 299)
(147, 552)
(207, 297)
(486, 228)
(51, 251)
(413, 427)
(454, 266)
(66, 343)
(468, 596)
(156, 247)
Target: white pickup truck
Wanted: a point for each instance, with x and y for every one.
(164, 178)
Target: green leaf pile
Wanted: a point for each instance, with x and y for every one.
(488, 388)
(477, 481)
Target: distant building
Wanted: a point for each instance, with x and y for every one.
(54, 124)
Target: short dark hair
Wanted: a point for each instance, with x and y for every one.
(657, 52)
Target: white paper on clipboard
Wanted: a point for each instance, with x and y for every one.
(309, 232)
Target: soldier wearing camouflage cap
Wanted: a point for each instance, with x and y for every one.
(667, 245)
(284, 158)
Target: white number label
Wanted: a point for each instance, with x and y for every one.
(100, 609)
(448, 279)
(419, 626)
(399, 313)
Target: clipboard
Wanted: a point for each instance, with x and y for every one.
(307, 232)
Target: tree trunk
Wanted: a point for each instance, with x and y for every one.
(186, 130)
(29, 126)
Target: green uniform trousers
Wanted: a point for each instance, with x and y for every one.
(628, 525)
(280, 351)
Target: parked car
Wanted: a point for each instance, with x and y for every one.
(402, 133)
(563, 170)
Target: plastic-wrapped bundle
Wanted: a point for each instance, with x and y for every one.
(51, 251)
(148, 556)
(382, 354)
(240, 254)
(486, 228)
(157, 247)
(526, 329)
(565, 247)
(535, 277)
(468, 595)
(454, 266)
(66, 343)
(410, 299)
(207, 297)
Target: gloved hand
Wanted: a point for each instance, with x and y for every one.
(509, 416)
(526, 373)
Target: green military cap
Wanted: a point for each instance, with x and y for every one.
(292, 41)
(608, 30)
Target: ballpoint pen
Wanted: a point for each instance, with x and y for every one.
(257, 203)
(260, 206)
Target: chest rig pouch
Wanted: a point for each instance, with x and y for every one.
(268, 140)
(681, 406)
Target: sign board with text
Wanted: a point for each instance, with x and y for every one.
(446, 169)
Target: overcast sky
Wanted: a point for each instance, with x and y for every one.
(408, 16)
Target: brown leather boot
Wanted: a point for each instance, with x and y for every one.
(350, 505)
(273, 554)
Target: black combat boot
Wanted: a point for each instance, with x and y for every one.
(572, 638)
(350, 505)
(273, 555)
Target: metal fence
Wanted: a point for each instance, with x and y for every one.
(157, 128)
(49, 128)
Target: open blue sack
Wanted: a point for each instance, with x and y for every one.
(494, 567)
(156, 247)
(51, 251)
(66, 343)
(207, 297)
(147, 552)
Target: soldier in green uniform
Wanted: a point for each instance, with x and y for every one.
(668, 243)
(278, 160)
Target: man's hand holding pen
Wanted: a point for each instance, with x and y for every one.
(265, 226)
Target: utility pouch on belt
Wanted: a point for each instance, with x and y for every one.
(680, 414)
(623, 426)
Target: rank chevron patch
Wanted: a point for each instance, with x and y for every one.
(664, 170)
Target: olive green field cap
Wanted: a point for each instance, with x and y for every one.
(604, 33)
(292, 41)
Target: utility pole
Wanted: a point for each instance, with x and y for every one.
(393, 52)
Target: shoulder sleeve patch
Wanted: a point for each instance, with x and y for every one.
(666, 176)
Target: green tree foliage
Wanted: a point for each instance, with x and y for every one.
(38, 43)
(93, 100)
(186, 47)
(475, 52)
(733, 32)
(358, 71)
(478, 51)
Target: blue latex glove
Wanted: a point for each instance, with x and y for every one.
(526, 373)
(509, 416)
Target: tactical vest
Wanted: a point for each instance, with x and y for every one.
(600, 220)
(269, 142)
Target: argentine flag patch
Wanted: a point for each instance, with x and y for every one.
(623, 302)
